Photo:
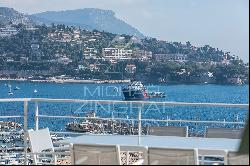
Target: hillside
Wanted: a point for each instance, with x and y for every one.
(88, 18)
(8, 15)
(41, 51)
(45, 51)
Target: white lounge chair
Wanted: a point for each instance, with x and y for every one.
(167, 156)
(181, 131)
(40, 141)
(86, 154)
(41, 145)
(223, 133)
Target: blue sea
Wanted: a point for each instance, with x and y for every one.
(205, 93)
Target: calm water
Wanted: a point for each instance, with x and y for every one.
(178, 93)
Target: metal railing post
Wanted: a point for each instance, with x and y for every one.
(25, 130)
(202, 160)
(167, 120)
(139, 124)
(36, 116)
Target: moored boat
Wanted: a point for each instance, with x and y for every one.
(10, 91)
(135, 91)
(16, 88)
(157, 95)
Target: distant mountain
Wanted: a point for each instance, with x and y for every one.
(39, 21)
(8, 15)
(88, 18)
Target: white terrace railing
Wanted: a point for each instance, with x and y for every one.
(140, 104)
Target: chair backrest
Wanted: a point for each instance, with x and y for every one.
(237, 159)
(223, 133)
(40, 140)
(212, 157)
(167, 156)
(86, 154)
(181, 131)
(133, 159)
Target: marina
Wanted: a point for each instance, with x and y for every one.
(96, 125)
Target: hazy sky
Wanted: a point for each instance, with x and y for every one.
(223, 24)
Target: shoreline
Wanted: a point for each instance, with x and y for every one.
(62, 81)
(94, 81)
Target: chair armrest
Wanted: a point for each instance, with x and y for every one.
(61, 148)
(50, 153)
(139, 162)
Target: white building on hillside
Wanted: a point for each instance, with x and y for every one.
(142, 55)
(8, 31)
(130, 68)
(64, 60)
(170, 57)
(89, 53)
(117, 53)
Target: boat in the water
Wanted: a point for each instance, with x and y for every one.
(95, 125)
(87, 125)
(80, 127)
(16, 88)
(135, 91)
(10, 91)
(157, 95)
